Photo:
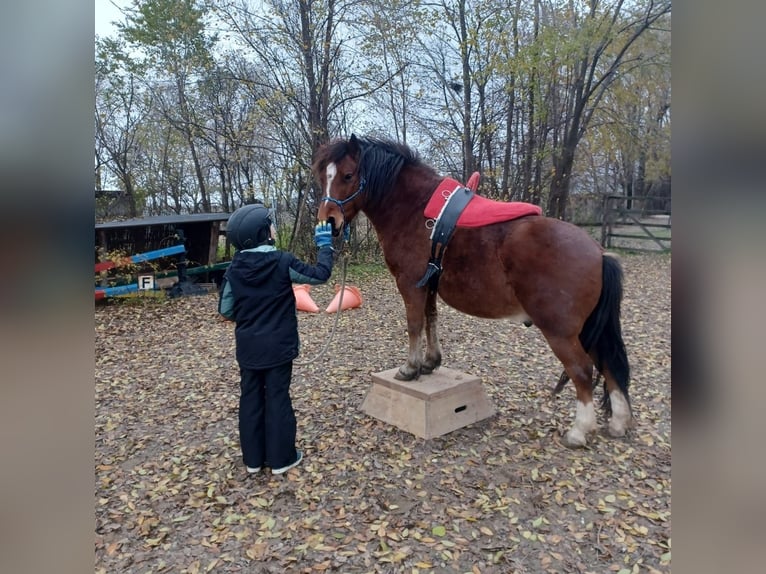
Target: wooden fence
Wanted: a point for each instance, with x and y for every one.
(636, 224)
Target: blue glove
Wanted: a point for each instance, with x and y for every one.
(323, 235)
(346, 233)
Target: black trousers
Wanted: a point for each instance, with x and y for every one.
(266, 418)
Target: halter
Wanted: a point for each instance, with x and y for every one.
(341, 203)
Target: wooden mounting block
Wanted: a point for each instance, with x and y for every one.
(431, 406)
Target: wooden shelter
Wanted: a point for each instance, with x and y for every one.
(200, 233)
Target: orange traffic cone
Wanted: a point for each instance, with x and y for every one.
(303, 301)
(352, 298)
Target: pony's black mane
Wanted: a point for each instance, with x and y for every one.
(382, 160)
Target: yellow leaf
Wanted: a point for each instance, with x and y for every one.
(112, 548)
(256, 551)
(398, 556)
(154, 541)
(270, 523)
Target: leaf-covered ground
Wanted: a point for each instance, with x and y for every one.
(502, 495)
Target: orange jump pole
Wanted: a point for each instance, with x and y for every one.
(352, 298)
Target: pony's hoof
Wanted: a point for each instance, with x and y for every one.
(404, 374)
(428, 369)
(574, 439)
(617, 429)
(430, 366)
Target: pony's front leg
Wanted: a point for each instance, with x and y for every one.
(433, 357)
(414, 303)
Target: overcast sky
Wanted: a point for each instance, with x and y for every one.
(106, 12)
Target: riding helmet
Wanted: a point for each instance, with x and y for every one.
(249, 226)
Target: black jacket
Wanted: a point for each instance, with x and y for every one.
(257, 293)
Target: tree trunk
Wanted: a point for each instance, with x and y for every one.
(531, 148)
(130, 193)
(562, 173)
(189, 135)
(468, 159)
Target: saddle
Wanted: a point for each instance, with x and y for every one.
(455, 205)
(480, 210)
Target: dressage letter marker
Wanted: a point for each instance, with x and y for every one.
(431, 406)
(145, 282)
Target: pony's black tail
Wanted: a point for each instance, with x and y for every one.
(601, 335)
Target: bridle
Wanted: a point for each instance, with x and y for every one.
(341, 202)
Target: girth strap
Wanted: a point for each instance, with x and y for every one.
(442, 232)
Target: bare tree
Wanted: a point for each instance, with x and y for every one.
(599, 47)
(119, 112)
(172, 35)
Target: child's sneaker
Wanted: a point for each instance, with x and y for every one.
(289, 466)
(252, 470)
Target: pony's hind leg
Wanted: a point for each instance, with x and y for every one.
(618, 407)
(564, 379)
(579, 368)
(433, 358)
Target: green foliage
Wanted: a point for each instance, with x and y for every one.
(282, 240)
(172, 32)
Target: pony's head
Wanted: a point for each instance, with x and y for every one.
(337, 169)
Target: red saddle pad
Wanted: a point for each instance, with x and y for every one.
(480, 210)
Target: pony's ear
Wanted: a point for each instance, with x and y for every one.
(353, 146)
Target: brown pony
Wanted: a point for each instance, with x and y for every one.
(532, 269)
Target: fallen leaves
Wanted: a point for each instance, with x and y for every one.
(500, 495)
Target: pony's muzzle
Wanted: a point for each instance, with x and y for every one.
(335, 230)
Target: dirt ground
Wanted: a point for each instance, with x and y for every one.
(501, 495)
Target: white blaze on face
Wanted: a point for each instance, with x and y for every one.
(330, 172)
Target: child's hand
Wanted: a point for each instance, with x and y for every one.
(323, 234)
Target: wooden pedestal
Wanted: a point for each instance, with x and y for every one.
(431, 406)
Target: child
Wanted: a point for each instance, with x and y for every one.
(257, 294)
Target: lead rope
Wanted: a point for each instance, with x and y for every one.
(344, 261)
